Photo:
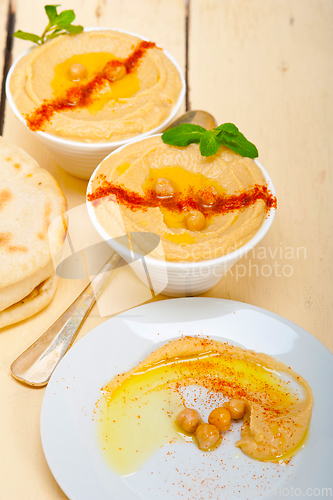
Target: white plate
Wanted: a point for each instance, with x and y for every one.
(182, 471)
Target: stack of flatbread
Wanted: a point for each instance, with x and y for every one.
(30, 199)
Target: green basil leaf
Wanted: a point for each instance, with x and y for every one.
(27, 36)
(183, 135)
(65, 18)
(74, 30)
(209, 144)
(51, 12)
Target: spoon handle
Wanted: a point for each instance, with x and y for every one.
(35, 365)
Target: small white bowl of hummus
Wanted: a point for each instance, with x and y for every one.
(155, 232)
(85, 95)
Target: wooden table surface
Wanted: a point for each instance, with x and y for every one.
(265, 65)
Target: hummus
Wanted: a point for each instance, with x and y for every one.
(278, 401)
(139, 101)
(137, 167)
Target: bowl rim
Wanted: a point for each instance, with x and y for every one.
(98, 145)
(224, 259)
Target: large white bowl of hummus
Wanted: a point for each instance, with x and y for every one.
(143, 101)
(166, 255)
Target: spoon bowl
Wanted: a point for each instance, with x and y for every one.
(196, 117)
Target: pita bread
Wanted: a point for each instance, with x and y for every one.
(30, 199)
(11, 294)
(39, 298)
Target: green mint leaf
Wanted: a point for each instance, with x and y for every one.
(74, 30)
(228, 128)
(226, 134)
(55, 33)
(59, 24)
(27, 36)
(51, 12)
(183, 135)
(240, 145)
(229, 135)
(209, 144)
(243, 147)
(65, 18)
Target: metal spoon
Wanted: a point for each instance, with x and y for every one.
(202, 118)
(36, 364)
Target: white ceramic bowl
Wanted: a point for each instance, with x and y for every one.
(184, 278)
(80, 158)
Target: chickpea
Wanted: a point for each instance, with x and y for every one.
(207, 196)
(74, 97)
(77, 72)
(236, 408)
(207, 435)
(114, 71)
(188, 419)
(221, 418)
(164, 188)
(195, 220)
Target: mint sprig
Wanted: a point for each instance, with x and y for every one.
(210, 141)
(189, 133)
(59, 24)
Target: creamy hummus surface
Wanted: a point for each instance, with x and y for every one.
(133, 104)
(278, 401)
(139, 165)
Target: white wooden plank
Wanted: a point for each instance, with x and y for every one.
(267, 67)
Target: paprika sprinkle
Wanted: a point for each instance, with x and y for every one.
(182, 201)
(137, 410)
(81, 96)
